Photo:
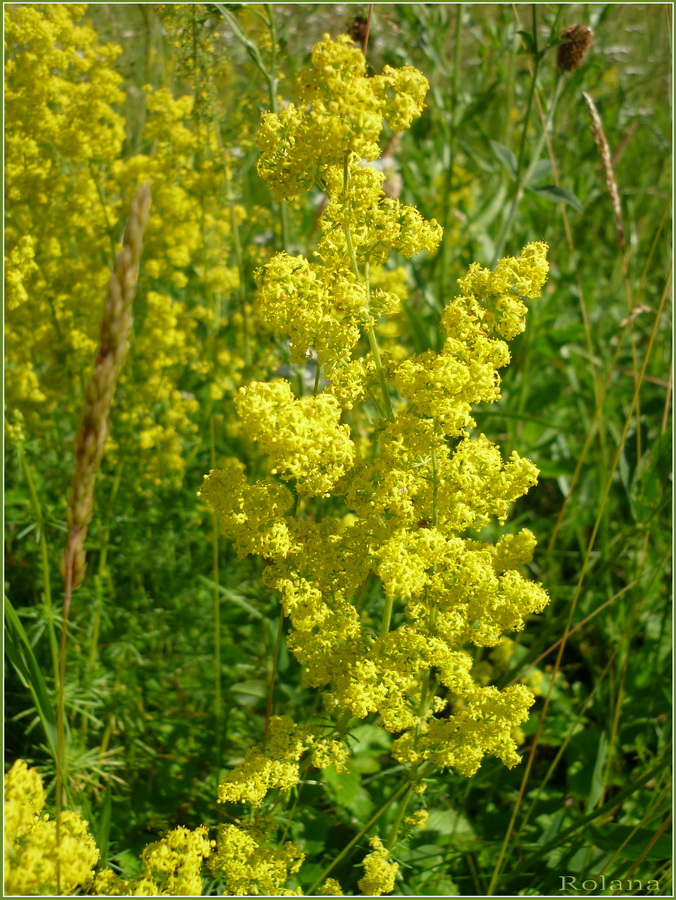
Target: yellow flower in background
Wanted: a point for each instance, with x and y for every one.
(32, 854)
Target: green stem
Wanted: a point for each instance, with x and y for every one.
(444, 255)
(518, 178)
(399, 818)
(273, 81)
(101, 574)
(373, 341)
(522, 179)
(273, 676)
(217, 610)
(387, 617)
(355, 840)
(239, 259)
(44, 563)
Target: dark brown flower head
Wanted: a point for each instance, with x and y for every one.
(358, 29)
(572, 53)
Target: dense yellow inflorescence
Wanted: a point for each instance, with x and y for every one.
(401, 497)
(34, 862)
(69, 179)
(249, 867)
(171, 867)
(414, 481)
(41, 859)
(379, 874)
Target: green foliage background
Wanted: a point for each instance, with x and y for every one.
(587, 397)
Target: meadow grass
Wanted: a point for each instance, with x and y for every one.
(172, 638)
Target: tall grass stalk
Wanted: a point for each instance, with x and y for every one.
(523, 173)
(218, 702)
(44, 561)
(101, 575)
(611, 184)
(90, 444)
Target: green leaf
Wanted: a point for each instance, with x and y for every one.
(612, 837)
(232, 596)
(21, 656)
(449, 822)
(556, 194)
(596, 785)
(529, 41)
(506, 157)
(249, 693)
(348, 792)
(539, 170)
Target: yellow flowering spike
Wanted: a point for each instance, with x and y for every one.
(377, 224)
(330, 888)
(254, 516)
(327, 753)
(316, 308)
(514, 550)
(418, 819)
(380, 874)
(175, 862)
(499, 292)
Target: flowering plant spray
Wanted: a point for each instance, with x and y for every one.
(368, 518)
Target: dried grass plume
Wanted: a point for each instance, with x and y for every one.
(113, 345)
(606, 162)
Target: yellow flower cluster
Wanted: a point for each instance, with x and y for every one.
(32, 854)
(68, 183)
(171, 867)
(490, 311)
(274, 768)
(377, 224)
(277, 766)
(380, 874)
(414, 488)
(251, 515)
(339, 111)
(314, 306)
(251, 868)
(303, 438)
(330, 888)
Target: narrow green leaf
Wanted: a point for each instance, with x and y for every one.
(635, 840)
(237, 599)
(539, 170)
(22, 658)
(529, 41)
(596, 785)
(506, 157)
(249, 693)
(556, 194)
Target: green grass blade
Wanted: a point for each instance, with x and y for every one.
(23, 659)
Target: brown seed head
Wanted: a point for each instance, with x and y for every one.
(358, 29)
(572, 54)
(113, 344)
